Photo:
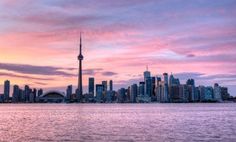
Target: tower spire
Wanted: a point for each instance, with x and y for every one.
(80, 45)
(80, 83)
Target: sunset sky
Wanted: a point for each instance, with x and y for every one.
(39, 41)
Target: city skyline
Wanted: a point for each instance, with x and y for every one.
(39, 44)
(156, 89)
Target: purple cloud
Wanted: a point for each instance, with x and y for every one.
(24, 76)
(37, 70)
(109, 73)
(91, 71)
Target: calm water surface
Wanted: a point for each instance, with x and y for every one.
(118, 122)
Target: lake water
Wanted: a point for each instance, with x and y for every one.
(118, 122)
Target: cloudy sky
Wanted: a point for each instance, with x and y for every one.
(192, 39)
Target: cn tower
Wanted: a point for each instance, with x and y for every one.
(80, 58)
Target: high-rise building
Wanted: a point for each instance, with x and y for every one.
(190, 82)
(80, 83)
(133, 93)
(165, 76)
(192, 93)
(165, 88)
(99, 93)
(217, 92)
(69, 93)
(183, 93)
(192, 90)
(40, 92)
(171, 80)
(158, 89)
(148, 86)
(31, 97)
(208, 93)
(1, 98)
(91, 86)
(109, 96)
(15, 95)
(202, 92)
(141, 89)
(163, 96)
(127, 94)
(174, 91)
(224, 93)
(121, 95)
(27, 92)
(147, 76)
(153, 87)
(173, 84)
(104, 83)
(6, 90)
(21, 93)
(111, 85)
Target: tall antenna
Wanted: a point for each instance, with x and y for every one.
(80, 45)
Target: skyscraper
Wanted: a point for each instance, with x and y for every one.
(40, 92)
(80, 84)
(121, 95)
(27, 92)
(190, 82)
(217, 92)
(15, 94)
(141, 89)
(32, 96)
(224, 93)
(153, 88)
(91, 86)
(99, 93)
(165, 76)
(111, 85)
(69, 93)
(146, 74)
(165, 88)
(104, 83)
(6, 90)
(148, 85)
(133, 93)
(158, 89)
(192, 90)
(173, 80)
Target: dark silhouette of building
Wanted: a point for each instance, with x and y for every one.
(190, 82)
(104, 83)
(15, 95)
(40, 92)
(6, 90)
(27, 92)
(69, 93)
(224, 93)
(99, 93)
(111, 85)
(91, 85)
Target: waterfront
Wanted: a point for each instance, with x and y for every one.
(118, 122)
